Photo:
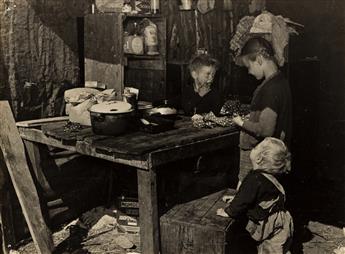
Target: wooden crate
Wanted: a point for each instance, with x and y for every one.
(194, 227)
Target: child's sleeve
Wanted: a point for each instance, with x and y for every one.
(265, 126)
(269, 108)
(244, 198)
(189, 101)
(217, 102)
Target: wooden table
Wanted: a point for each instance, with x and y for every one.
(144, 151)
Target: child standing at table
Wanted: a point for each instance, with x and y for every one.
(261, 197)
(271, 106)
(202, 97)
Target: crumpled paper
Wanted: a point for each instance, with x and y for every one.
(339, 250)
(98, 217)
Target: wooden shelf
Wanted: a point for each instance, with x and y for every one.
(177, 62)
(142, 15)
(143, 57)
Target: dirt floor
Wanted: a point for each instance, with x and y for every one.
(320, 239)
(324, 239)
(319, 227)
(104, 241)
(316, 204)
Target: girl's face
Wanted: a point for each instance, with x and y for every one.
(204, 75)
(254, 67)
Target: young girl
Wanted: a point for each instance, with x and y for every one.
(261, 197)
(271, 106)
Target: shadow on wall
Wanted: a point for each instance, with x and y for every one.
(60, 16)
(40, 41)
(5, 91)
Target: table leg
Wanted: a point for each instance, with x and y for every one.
(33, 149)
(149, 220)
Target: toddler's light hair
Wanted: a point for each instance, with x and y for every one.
(275, 156)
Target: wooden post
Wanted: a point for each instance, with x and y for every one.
(12, 149)
(148, 209)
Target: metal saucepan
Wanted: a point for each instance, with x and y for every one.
(164, 112)
(112, 118)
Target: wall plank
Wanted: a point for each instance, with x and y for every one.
(39, 44)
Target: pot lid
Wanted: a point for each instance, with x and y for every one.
(144, 105)
(163, 111)
(112, 107)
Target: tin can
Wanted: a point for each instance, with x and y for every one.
(151, 40)
(154, 6)
(133, 44)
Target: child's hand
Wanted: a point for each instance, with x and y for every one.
(238, 120)
(221, 212)
(227, 198)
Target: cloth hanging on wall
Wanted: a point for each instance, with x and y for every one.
(241, 35)
(205, 6)
(271, 27)
(262, 23)
(267, 23)
(256, 5)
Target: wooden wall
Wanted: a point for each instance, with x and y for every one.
(214, 31)
(39, 45)
(186, 32)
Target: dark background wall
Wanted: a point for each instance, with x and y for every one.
(323, 38)
(317, 183)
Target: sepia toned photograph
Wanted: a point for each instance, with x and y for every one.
(172, 126)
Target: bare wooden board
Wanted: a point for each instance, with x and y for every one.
(195, 228)
(82, 147)
(36, 135)
(39, 122)
(58, 132)
(103, 50)
(200, 211)
(138, 143)
(141, 143)
(12, 148)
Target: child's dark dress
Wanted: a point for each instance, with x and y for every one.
(193, 103)
(261, 198)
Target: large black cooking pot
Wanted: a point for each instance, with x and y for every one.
(112, 117)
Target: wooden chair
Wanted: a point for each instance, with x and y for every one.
(12, 152)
